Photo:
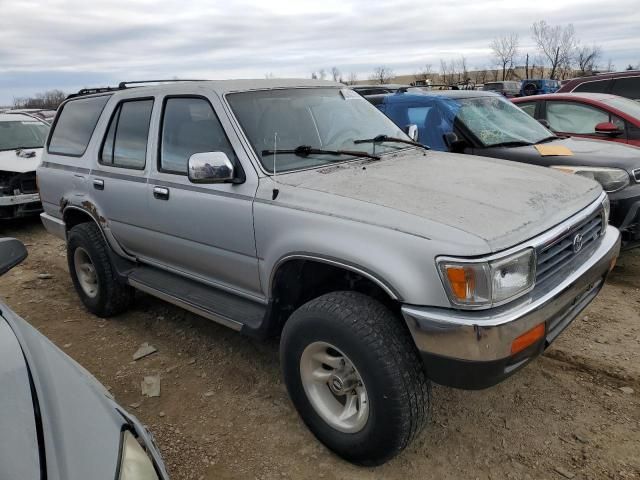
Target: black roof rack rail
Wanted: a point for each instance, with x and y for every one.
(137, 82)
(124, 85)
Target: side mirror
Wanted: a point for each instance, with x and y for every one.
(544, 123)
(12, 253)
(210, 167)
(608, 128)
(454, 144)
(412, 131)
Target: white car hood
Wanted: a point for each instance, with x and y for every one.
(10, 161)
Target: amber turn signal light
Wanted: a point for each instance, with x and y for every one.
(527, 339)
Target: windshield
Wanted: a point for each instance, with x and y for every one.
(321, 118)
(625, 105)
(493, 121)
(22, 134)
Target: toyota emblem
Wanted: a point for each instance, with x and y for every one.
(577, 243)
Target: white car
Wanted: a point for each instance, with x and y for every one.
(21, 140)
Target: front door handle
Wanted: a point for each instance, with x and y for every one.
(161, 193)
(98, 184)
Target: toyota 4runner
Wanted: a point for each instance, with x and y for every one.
(294, 208)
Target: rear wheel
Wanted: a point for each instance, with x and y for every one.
(355, 376)
(93, 276)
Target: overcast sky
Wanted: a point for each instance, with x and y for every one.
(47, 44)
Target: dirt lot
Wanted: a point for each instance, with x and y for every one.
(224, 413)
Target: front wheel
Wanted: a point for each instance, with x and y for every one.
(355, 376)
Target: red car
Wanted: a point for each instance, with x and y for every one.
(592, 115)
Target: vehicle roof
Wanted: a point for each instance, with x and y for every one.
(574, 82)
(567, 96)
(18, 117)
(380, 85)
(222, 87)
(438, 93)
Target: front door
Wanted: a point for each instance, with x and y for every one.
(202, 231)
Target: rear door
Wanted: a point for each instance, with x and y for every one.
(118, 183)
(203, 231)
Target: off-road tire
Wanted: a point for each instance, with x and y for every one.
(113, 296)
(382, 350)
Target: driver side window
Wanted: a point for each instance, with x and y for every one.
(574, 118)
(189, 125)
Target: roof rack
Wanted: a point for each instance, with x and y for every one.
(124, 85)
(137, 82)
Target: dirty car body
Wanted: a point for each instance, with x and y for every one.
(57, 421)
(485, 124)
(21, 139)
(279, 214)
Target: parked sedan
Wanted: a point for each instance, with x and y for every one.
(591, 115)
(56, 421)
(487, 124)
(22, 137)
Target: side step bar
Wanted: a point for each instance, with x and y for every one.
(214, 304)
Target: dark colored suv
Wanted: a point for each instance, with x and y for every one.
(625, 84)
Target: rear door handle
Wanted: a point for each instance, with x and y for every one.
(161, 193)
(98, 184)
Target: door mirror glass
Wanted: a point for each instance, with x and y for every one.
(412, 131)
(210, 167)
(607, 128)
(12, 253)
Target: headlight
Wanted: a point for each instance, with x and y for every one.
(475, 284)
(611, 179)
(135, 463)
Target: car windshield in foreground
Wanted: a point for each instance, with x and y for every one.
(625, 105)
(320, 119)
(495, 122)
(22, 134)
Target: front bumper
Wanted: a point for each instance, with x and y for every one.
(472, 349)
(21, 205)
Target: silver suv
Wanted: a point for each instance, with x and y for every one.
(294, 208)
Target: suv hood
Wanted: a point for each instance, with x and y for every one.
(502, 203)
(20, 161)
(586, 152)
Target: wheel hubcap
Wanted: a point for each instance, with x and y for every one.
(86, 272)
(334, 387)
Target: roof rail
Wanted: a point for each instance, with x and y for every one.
(137, 82)
(123, 85)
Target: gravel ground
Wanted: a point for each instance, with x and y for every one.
(223, 411)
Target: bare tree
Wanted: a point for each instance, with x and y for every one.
(382, 74)
(610, 66)
(424, 74)
(269, 75)
(555, 43)
(352, 78)
(335, 73)
(505, 50)
(47, 100)
(322, 74)
(463, 74)
(587, 59)
(314, 76)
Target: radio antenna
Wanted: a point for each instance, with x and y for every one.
(275, 172)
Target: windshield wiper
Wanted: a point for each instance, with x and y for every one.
(387, 138)
(306, 150)
(548, 139)
(514, 143)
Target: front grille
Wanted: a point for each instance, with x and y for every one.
(636, 174)
(21, 183)
(554, 255)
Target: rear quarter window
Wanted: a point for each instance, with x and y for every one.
(627, 87)
(75, 124)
